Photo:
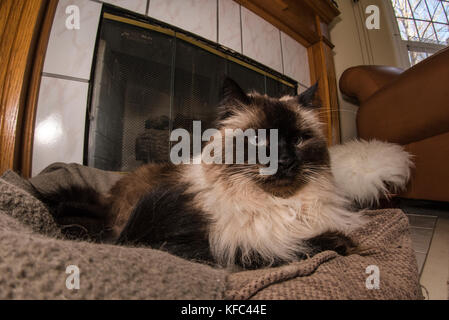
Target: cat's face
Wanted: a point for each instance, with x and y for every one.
(301, 146)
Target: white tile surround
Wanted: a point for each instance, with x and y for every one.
(60, 122)
(70, 52)
(257, 36)
(61, 110)
(139, 6)
(196, 16)
(295, 59)
(229, 27)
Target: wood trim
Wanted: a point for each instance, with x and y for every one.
(325, 9)
(285, 18)
(333, 95)
(21, 25)
(322, 70)
(319, 74)
(33, 92)
(295, 18)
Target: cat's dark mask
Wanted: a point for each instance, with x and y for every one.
(302, 149)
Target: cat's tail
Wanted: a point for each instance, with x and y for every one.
(80, 211)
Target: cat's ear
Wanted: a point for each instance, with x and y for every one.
(231, 91)
(307, 98)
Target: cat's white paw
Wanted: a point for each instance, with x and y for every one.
(366, 171)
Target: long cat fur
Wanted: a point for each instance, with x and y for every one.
(230, 214)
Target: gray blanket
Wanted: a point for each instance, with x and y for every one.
(34, 257)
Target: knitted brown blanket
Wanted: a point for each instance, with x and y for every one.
(34, 258)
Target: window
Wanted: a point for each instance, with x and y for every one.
(423, 26)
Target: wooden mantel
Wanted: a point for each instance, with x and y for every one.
(297, 18)
(307, 22)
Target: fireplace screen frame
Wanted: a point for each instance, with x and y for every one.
(231, 58)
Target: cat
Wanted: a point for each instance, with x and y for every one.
(229, 214)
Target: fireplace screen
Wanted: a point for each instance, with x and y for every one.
(150, 79)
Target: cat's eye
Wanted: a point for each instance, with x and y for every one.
(257, 141)
(299, 140)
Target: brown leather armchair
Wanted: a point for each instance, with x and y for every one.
(410, 108)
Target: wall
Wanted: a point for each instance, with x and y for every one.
(356, 45)
(61, 110)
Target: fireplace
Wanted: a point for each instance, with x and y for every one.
(150, 78)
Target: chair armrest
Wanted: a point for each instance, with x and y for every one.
(413, 107)
(362, 82)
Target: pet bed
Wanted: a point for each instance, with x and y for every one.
(34, 256)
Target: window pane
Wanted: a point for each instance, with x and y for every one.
(425, 31)
(436, 10)
(433, 4)
(429, 34)
(442, 33)
(446, 8)
(416, 57)
(422, 21)
(408, 29)
(420, 11)
(402, 9)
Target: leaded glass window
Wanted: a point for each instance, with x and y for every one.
(423, 25)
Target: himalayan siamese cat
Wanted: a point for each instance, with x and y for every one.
(229, 214)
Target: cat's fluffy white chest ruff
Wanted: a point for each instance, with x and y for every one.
(245, 218)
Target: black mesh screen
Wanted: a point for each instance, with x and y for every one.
(278, 89)
(248, 79)
(147, 83)
(133, 81)
(198, 77)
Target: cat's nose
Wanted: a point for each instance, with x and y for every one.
(285, 162)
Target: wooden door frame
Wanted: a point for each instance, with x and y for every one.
(24, 32)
